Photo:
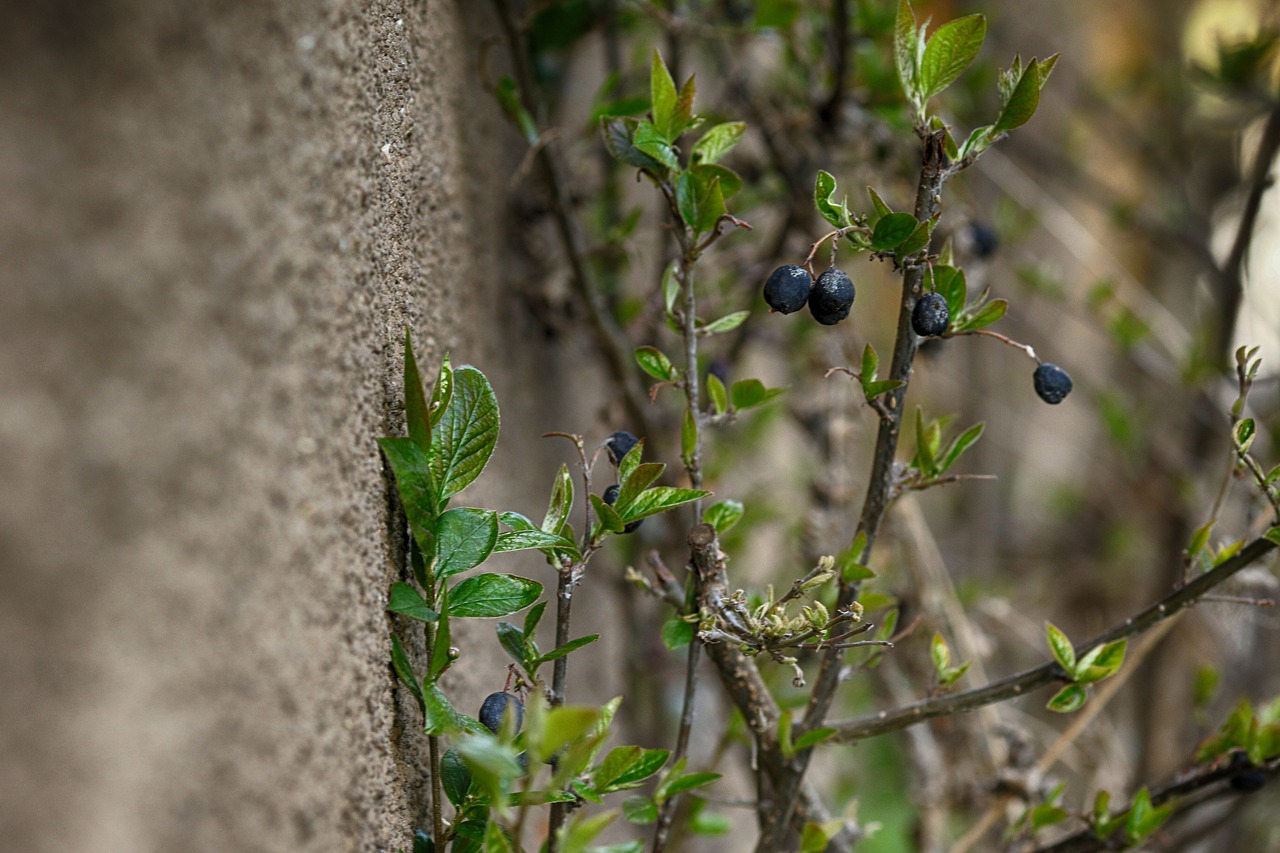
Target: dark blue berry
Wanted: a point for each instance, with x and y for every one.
(1052, 383)
(931, 316)
(619, 445)
(832, 297)
(611, 497)
(787, 288)
(494, 708)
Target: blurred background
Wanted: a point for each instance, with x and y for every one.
(217, 220)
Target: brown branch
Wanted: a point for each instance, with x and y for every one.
(1024, 682)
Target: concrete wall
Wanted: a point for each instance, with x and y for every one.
(215, 219)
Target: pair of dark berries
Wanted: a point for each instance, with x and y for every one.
(790, 287)
(619, 445)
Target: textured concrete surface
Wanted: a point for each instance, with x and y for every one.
(215, 220)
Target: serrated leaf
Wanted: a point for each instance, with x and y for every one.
(1063, 652)
(992, 311)
(655, 363)
(718, 141)
(723, 515)
(464, 438)
(404, 671)
(700, 201)
(676, 633)
(407, 601)
(727, 323)
(491, 595)
(1070, 698)
(464, 539)
(891, 230)
(651, 141)
(716, 391)
(949, 52)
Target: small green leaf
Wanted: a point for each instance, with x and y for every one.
(412, 469)
(655, 363)
(940, 653)
(906, 50)
(671, 787)
(441, 718)
(676, 633)
(525, 540)
(441, 649)
(949, 282)
(727, 323)
(404, 671)
(464, 437)
(464, 539)
(925, 444)
(661, 499)
(918, 239)
(848, 563)
(716, 391)
(992, 311)
(688, 437)
(1069, 698)
(730, 181)
(1101, 662)
(878, 204)
(870, 366)
(618, 134)
(1144, 818)
(718, 141)
(492, 595)
(662, 97)
(454, 776)
(891, 230)
(824, 188)
(1272, 535)
(723, 515)
(511, 639)
(406, 601)
(561, 502)
(640, 810)
(571, 646)
(875, 389)
(959, 445)
(609, 518)
(636, 480)
(651, 141)
(1025, 97)
(1046, 814)
(1063, 652)
(949, 52)
(670, 285)
(1243, 434)
(417, 411)
(814, 737)
(700, 201)
(748, 393)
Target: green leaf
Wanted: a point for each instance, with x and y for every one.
(1046, 814)
(1069, 698)
(640, 810)
(959, 445)
(925, 444)
(608, 516)
(412, 469)
(906, 50)
(878, 204)
(1101, 662)
(493, 595)
(776, 14)
(1243, 434)
(716, 391)
(651, 141)
(814, 737)
(525, 540)
(406, 601)
(618, 134)
(511, 639)
(723, 515)
(404, 671)
(561, 501)
(949, 282)
(650, 761)
(454, 776)
(637, 479)
(940, 654)
(571, 646)
(676, 633)
(875, 389)
(870, 366)
(671, 787)
(891, 230)
(1272, 535)
(949, 52)
(1025, 97)
(464, 539)
(730, 181)
(655, 363)
(464, 438)
(417, 412)
(442, 647)
(917, 240)
(727, 323)
(662, 97)
(700, 201)
(704, 822)
(532, 618)
(823, 189)
(441, 718)
(670, 285)
(683, 118)
(718, 141)
(1063, 652)
(660, 499)
(748, 393)
(849, 565)
(1144, 819)
(992, 311)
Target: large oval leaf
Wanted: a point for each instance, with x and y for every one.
(492, 595)
(464, 438)
(464, 539)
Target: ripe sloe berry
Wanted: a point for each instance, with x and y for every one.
(787, 288)
(832, 297)
(1052, 383)
(494, 708)
(611, 497)
(931, 316)
(1250, 780)
(619, 445)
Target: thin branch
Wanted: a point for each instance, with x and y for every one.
(1024, 682)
